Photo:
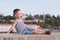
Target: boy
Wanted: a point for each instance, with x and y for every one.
(21, 27)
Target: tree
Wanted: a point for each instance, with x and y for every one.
(1, 17)
(8, 18)
(37, 16)
(57, 21)
(41, 17)
(30, 17)
(47, 16)
(53, 17)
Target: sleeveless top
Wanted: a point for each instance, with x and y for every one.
(20, 27)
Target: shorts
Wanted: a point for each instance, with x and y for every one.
(29, 30)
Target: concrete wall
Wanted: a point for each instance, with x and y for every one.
(29, 37)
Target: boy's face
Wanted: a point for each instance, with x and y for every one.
(18, 15)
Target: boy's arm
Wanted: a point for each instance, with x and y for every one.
(11, 28)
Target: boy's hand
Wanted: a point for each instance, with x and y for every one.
(7, 32)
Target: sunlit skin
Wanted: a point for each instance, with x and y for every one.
(19, 16)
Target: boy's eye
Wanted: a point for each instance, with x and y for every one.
(20, 16)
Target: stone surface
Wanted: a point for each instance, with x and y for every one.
(29, 37)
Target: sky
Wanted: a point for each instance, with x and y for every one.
(33, 7)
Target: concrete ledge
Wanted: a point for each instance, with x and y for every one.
(29, 37)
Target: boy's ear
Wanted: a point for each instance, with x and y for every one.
(15, 15)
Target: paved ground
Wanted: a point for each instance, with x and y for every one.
(14, 36)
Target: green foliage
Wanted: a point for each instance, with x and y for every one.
(39, 16)
(30, 17)
(6, 18)
(52, 21)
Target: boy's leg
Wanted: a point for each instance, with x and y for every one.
(37, 31)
